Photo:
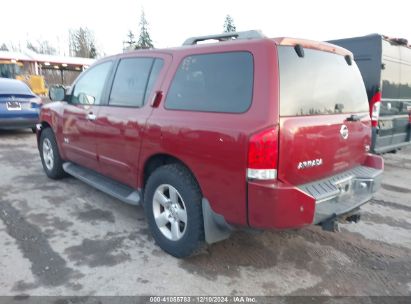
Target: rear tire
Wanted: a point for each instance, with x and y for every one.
(50, 156)
(172, 203)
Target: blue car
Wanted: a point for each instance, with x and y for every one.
(19, 106)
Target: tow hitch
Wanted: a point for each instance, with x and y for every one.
(332, 224)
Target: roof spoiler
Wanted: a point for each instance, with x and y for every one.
(253, 34)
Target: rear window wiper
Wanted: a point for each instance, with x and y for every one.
(355, 117)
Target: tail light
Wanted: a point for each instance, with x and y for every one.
(375, 104)
(262, 155)
(36, 102)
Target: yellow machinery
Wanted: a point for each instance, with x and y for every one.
(14, 70)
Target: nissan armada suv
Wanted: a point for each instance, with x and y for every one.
(248, 132)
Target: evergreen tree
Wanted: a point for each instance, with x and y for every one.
(229, 24)
(4, 47)
(130, 43)
(144, 39)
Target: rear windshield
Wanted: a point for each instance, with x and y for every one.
(319, 83)
(14, 87)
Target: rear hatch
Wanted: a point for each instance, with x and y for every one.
(324, 115)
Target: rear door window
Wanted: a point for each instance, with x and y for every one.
(130, 82)
(220, 82)
(319, 83)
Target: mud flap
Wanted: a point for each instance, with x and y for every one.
(215, 227)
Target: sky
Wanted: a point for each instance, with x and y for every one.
(171, 22)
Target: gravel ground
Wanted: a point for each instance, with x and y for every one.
(66, 238)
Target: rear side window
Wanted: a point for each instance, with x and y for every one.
(319, 83)
(130, 82)
(213, 83)
(155, 71)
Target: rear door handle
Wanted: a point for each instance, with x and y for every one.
(155, 102)
(91, 116)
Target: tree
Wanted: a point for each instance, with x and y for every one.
(144, 39)
(42, 47)
(82, 43)
(229, 24)
(130, 43)
(4, 47)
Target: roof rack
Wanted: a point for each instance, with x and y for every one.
(253, 34)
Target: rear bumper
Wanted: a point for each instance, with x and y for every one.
(19, 123)
(382, 144)
(280, 206)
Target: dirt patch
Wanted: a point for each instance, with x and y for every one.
(95, 253)
(47, 220)
(47, 265)
(94, 215)
(227, 257)
(376, 268)
(378, 219)
(395, 188)
(392, 205)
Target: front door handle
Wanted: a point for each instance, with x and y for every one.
(91, 116)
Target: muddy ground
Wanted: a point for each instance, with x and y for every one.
(66, 238)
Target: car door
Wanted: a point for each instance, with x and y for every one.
(121, 122)
(79, 119)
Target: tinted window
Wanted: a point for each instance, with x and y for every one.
(155, 70)
(405, 88)
(396, 80)
(391, 79)
(319, 83)
(130, 82)
(89, 87)
(213, 83)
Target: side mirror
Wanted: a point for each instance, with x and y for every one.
(57, 93)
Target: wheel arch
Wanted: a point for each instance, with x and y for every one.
(43, 125)
(160, 159)
(215, 226)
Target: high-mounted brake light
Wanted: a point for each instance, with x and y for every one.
(262, 155)
(375, 104)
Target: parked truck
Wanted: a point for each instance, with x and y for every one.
(385, 65)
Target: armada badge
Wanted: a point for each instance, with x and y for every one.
(310, 163)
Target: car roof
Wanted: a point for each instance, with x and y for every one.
(285, 41)
(13, 86)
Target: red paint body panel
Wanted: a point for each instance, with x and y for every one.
(278, 206)
(80, 132)
(214, 145)
(306, 138)
(119, 135)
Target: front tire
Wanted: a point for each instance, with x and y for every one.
(172, 203)
(50, 156)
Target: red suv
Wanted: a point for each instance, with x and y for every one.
(247, 132)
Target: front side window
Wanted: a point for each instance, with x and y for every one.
(89, 87)
(130, 82)
(220, 82)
